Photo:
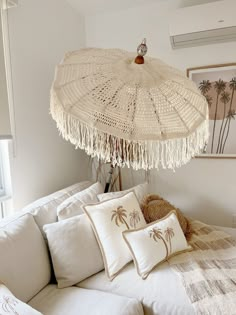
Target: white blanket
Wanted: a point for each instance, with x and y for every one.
(162, 293)
(208, 273)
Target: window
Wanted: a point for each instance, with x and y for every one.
(1, 177)
(5, 180)
(7, 128)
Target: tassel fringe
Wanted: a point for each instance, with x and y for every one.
(165, 154)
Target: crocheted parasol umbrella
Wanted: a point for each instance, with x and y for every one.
(128, 111)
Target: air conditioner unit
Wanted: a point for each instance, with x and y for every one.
(203, 24)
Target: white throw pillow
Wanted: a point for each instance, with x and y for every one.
(156, 243)
(72, 206)
(24, 261)
(10, 305)
(74, 250)
(109, 219)
(140, 191)
(44, 209)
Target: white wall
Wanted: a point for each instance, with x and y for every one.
(40, 33)
(205, 188)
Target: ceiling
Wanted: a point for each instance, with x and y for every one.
(99, 6)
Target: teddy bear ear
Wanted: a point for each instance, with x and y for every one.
(150, 198)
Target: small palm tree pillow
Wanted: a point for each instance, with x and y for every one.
(10, 305)
(156, 243)
(154, 208)
(109, 219)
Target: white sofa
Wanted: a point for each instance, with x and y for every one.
(25, 267)
(26, 270)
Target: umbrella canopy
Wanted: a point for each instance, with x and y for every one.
(145, 116)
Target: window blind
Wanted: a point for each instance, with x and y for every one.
(5, 127)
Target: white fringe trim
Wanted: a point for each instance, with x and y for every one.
(166, 154)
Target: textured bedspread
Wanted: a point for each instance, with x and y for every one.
(208, 273)
(163, 293)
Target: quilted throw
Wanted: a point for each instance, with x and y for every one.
(208, 273)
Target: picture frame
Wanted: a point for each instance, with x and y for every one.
(218, 84)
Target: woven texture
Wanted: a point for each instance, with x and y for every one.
(208, 272)
(143, 116)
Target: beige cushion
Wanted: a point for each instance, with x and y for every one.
(44, 209)
(24, 265)
(139, 190)
(155, 243)
(72, 206)
(74, 250)
(76, 301)
(10, 305)
(109, 219)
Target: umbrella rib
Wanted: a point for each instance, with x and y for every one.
(155, 109)
(192, 105)
(76, 79)
(106, 105)
(197, 110)
(113, 96)
(186, 88)
(192, 91)
(72, 105)
(175, 111)
(135, 104)
(181, 119)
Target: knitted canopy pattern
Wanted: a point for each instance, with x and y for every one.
(137, 115)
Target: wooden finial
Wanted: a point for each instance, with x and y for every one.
(141, 50)
(139, 60)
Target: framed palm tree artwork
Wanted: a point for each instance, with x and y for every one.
(217, 84)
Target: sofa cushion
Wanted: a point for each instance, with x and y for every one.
(140, 191)
(44, 209)
(161, 293)
(109, 219)
(74, 301)
(9, 304)
(24, 265)
(74, 250)
(72, 206)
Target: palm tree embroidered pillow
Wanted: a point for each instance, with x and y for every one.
(155, 208)
(9, 304)
(156, 243)
(109, 219)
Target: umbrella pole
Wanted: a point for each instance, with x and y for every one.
(120, 180)
(108, 183)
